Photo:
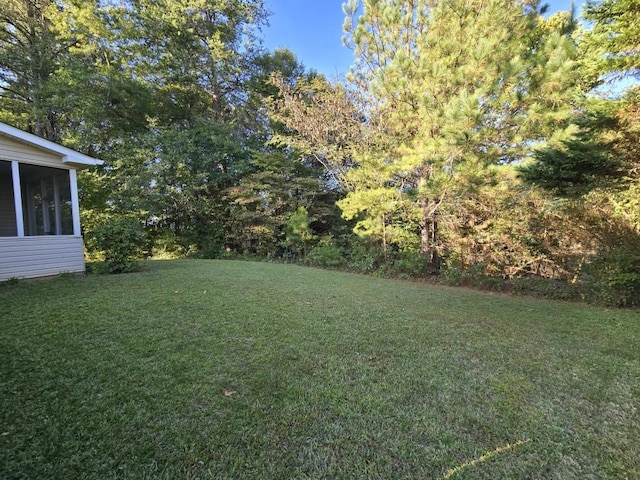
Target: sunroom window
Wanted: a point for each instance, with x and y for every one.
(46, 200)
(8, 226)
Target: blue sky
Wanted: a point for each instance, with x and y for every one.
(312, 29)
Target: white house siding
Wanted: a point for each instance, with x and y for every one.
(30, 257)
(14, 150)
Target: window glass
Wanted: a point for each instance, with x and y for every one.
(46, 200)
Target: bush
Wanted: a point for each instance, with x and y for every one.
(543, 287)
(351, 253)
(326, 254)
(209, 247)
(411, 264)
(456, 274)
(614, 278)
(364, 257)
(122, 241)
(166, 246)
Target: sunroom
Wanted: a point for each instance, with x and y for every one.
(39, 209)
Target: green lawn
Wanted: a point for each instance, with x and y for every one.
(221, 369)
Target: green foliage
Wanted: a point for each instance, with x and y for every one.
(219, 148)
(455, 88)
(578, 166)
(364, 256)
(410, 264)
(265, 201)
(158, 89)
(326, 254)
(613, 278)
(166, 246)
(207, 246)
(611, 44)
(122, 240)
(62, 76)
(550, 288)
(346, 253)
(185, 183)
(602, 153)
(470, 276)
(298, 232)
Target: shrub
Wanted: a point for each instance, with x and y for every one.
(122, 240)
(298, 232)
(209, 247)
(166, 246)
(411, 264)
(614, 278)
(457, 274)
(543, 287)
(364, 257)
(326, 254)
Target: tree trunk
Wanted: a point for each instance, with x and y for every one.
(425, 231)
(429, 235)
(435, 256)
(384, 236)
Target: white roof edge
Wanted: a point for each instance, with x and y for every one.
(68, 155)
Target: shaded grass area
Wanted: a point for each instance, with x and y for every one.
(222, 369)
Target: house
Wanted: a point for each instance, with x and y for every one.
(39, 208)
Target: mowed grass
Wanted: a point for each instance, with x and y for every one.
(221, 369)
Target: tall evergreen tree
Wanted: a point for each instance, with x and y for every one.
(603, 153)
(611, 44)
(459, 86)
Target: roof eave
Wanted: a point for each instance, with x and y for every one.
(69, 156)
(81, 161)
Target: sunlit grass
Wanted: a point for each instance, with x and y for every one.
(209, 369)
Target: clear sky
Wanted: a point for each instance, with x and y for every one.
(312, 29)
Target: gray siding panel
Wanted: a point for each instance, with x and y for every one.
(30, 257)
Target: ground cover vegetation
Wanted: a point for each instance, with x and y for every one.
(484, 142)
(206, 369)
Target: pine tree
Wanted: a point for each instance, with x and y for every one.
(603, 152)
(457, 87)
(612, 44)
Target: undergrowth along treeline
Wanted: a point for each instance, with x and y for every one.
(487, 156)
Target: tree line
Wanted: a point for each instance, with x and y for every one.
(480, 140)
